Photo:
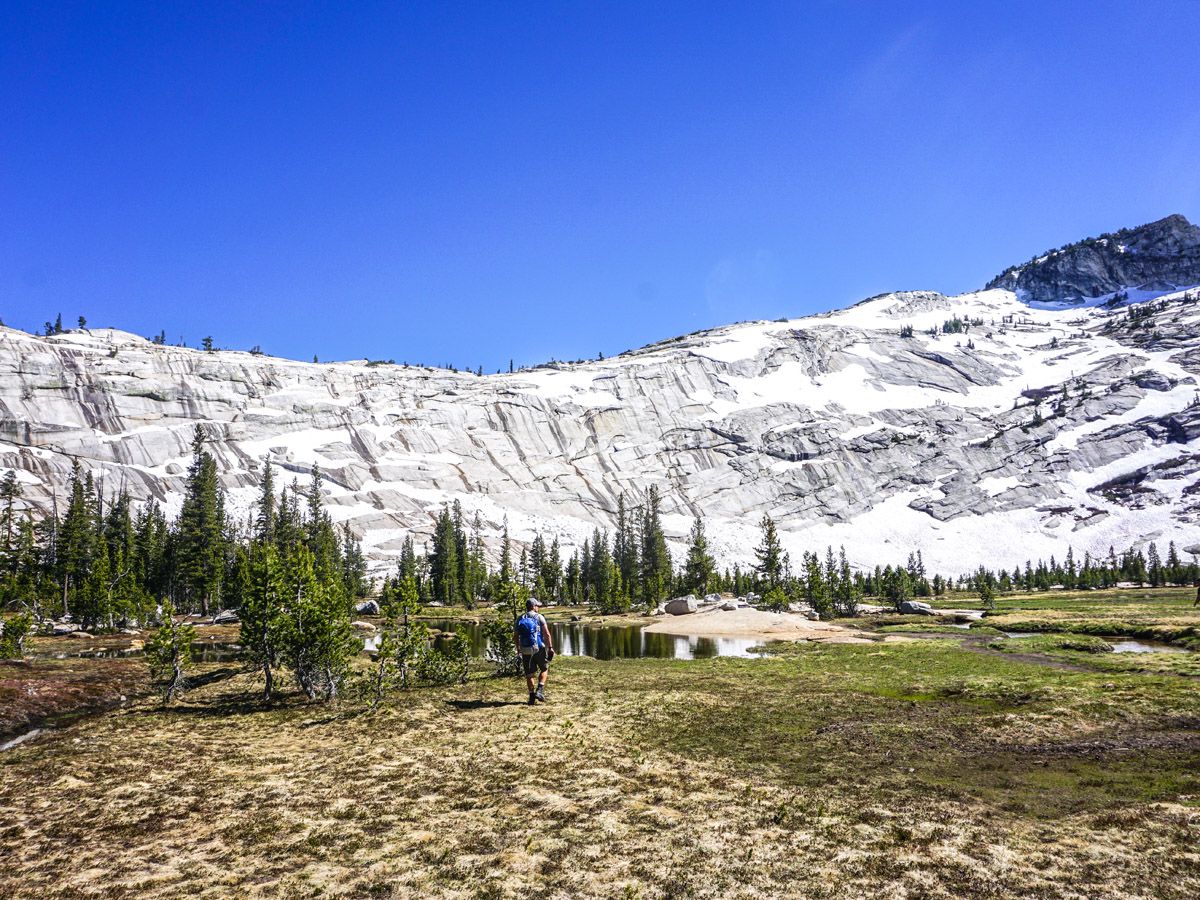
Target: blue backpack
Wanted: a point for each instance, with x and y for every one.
(529, 634)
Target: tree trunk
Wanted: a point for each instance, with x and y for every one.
(268, 677)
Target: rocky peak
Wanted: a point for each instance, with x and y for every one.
(1160, 256)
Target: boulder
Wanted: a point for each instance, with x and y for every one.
(812, 615)
(712, 598)
(1152, 381)
(80, 634)
(682, 606)
(916, 608)
(368, 608)
(729, 605)
(226, 617)
(61, 628)
(576, 618)
(362, 626)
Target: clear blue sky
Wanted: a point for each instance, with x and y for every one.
(470, 182)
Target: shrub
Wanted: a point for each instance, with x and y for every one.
(13, 634)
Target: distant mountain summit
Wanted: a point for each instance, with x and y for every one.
(1159, 257)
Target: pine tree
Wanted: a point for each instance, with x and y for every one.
(354, 564)
(655, 574)
(572, 591)
(262, 613)
(552, 571)
(604, 577)
(1155, 572)
(318, 642)
(816, 585)
(986, 586)
(699, 568)
(847, 593)
(10, 492)
(770, 556)
(75, 546)
(626, 551)
(1174, 566)
(201, 531)
(443, 560)
(320, 536)
(264, 522)
(169, 653)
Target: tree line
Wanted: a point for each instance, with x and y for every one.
(103, 563)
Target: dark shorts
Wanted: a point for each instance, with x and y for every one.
(535, 663)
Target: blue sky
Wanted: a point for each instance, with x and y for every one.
(474, 182)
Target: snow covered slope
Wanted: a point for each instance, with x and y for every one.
(1036, 430)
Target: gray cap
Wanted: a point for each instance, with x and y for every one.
(532, 603)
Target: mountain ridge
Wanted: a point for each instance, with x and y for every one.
(838, 426)
(1158, 256)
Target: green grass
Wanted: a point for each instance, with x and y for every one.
(1044, 643)
(935, 627)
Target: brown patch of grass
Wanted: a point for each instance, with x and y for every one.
(32, 691)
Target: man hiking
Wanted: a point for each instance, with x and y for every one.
(536, 648)
(1196, 602)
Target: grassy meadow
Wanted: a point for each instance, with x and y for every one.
(961, 764)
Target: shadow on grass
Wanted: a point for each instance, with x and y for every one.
(464, 705)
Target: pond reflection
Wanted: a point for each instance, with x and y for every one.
(616, 641)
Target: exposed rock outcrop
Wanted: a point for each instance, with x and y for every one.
(1161, 256)
(994, 434)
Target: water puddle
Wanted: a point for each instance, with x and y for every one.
(570, 639)
(611, 642)
(1121, 645)
(20, 739)
(205, 653)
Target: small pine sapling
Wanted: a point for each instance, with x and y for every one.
(169, 654)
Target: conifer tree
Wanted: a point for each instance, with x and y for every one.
(572, 592)
(318, 642)
(655, 572)
(847, 593)
(443, 560)
(262, 613)
(169, 653)
(552, 571)
(626, 550)
(264, 522)
(10, 492)
(354, 564)
(816, 586)
(700, 567)
(770, 556)
(201, 531)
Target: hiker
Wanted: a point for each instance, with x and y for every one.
(1196, 602)
(536, 649)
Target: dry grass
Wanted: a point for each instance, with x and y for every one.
(885, 770)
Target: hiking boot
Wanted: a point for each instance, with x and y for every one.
(532, 698)
(540, 694)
